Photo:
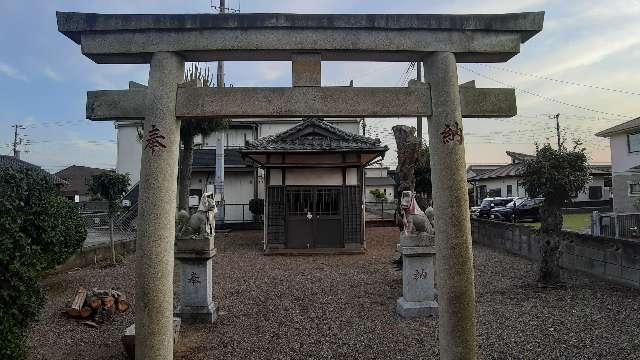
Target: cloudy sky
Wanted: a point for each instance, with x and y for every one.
(584, 65)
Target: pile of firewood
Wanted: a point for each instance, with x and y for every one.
(96, 306)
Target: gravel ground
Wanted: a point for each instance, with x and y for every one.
(336, 307)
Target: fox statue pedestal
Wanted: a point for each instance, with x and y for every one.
(196, 278)
(419, 297)
(417, 248)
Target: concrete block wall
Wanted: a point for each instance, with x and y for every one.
(617, 260)
(91, 255)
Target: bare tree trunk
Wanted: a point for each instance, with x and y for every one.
(184, 172)
(113, 245)
(551, 227)
(407, 145)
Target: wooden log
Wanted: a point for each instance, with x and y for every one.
(94, 302)
(85, 312)
(108, 302)
(90, 324)
(122, 306)
(78, 303)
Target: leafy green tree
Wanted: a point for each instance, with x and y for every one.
(189, 128)
(555, 175)
(111, 187)
(39, 229)
(378, 194)
(256, 206)
(422, 171)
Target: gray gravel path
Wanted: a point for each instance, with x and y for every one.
(342, 307)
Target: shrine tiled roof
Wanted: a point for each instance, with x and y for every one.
(314, 135)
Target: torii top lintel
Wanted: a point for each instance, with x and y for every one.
(132, 38)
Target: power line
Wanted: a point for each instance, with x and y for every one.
(566, 82)
(525, 91)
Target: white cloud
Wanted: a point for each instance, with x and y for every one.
(9, 71)
(51, 74)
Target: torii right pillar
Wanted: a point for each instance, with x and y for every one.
(454, 265)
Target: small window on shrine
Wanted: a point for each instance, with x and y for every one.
(634, 189)
(509, 190)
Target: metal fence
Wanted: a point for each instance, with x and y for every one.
(626, 226)
(380, 210)
(97, 224)
(238, 213)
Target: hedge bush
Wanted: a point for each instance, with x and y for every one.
(39, 229)
(256, 206)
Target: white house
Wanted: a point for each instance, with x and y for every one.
(243, 181)
(624, 140)
(505, 181)
(378, 178)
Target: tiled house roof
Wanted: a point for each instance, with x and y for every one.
(314, 135)
(513, 170)
(379, 181)
(625, 127)
(7, 161)
(503, 171)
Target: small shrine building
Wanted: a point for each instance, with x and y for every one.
(314, 193)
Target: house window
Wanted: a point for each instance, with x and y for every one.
(495, 192)
(634, 189)
(595, 192)
(634, 142)
(607, 182)
(509, 190)
(482, 192)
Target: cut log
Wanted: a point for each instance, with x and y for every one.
(85, 312)
(95, 303)
(117, 294)
(108, 302)
(78, 303)
(90, 324)
(122, 306)
(74, 313)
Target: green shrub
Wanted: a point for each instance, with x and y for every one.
(256, 206)
(39, 229)
(378, 194)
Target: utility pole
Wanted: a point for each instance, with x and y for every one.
(557, 117)
(17, 139)
(419, 118)
(219, 174)
(220, 75)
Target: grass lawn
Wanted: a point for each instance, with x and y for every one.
(572, 222)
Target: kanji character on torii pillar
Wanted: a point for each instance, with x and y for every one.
(167, 41)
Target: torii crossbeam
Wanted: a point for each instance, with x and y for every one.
(167, 41)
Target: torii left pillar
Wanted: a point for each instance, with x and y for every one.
(157, 208)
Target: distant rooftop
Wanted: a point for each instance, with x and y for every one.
(7, 161)
(625, 127)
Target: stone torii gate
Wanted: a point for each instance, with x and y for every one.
(167, 41)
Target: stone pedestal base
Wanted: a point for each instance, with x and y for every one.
(419, 297)
(196, 279)
(198, 314)
(411, 309)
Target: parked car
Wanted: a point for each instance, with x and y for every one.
(518, 210)
(505, 213)
(474, 211)
(490, 203)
